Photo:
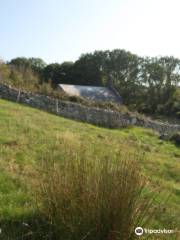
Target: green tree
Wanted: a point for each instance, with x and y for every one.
(37, 64)
(22, 63)
(88, 69)
(161, 77)
(51, 74)
(122, 71)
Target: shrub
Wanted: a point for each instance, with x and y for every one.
(175, 138)
(84, 198)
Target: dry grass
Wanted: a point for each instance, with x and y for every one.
(85, 198)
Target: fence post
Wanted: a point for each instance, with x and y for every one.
(18, 96)
(57, 107)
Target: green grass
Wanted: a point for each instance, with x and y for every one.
(28, 135)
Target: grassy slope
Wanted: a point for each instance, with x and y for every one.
(28, 135)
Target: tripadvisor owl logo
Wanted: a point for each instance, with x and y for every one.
(139, 231)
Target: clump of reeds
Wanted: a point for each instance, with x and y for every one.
(95, 199)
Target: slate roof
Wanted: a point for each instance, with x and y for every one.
(93, 93)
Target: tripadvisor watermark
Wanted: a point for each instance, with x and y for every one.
(140, 231)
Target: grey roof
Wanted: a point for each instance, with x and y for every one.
(92, 93)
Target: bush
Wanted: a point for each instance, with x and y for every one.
(84, 198)
(175, 138)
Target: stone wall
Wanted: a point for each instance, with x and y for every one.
(100, 117)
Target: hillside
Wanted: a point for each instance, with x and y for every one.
(28, 135)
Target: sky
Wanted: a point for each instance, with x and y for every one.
(61, 30)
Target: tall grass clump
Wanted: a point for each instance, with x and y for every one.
(84, 198)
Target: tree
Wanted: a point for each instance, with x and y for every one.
(88, 69)
(171, 67)
(65, 73)
(37, 64)
(51, 74)
(161, 77)
(121, 71)
(22, 63)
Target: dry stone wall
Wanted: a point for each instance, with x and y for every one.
(100, 117)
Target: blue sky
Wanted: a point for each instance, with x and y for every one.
(61, 30)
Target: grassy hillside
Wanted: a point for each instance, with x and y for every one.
(28, 135)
